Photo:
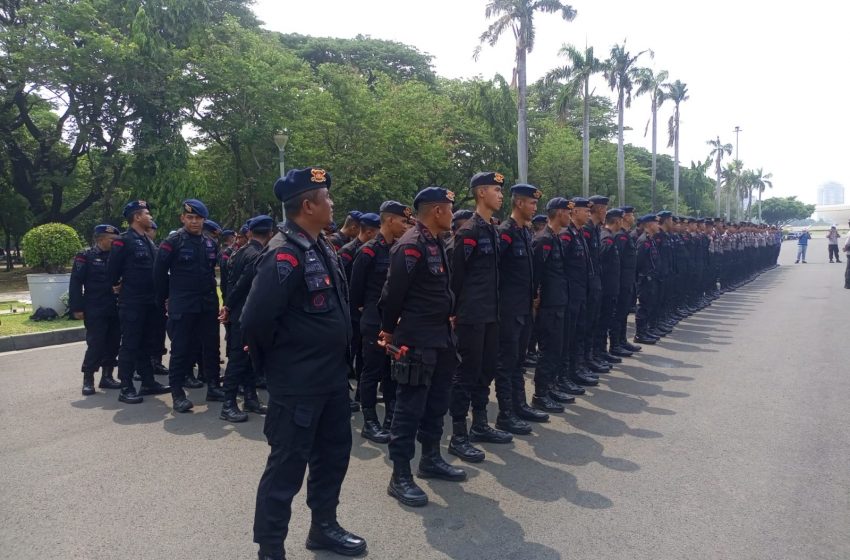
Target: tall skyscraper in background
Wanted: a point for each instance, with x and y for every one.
(830, 194)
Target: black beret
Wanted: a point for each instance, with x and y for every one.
(105, 228)
(133, 206)
(370, 219)
(244, 229)
(227, 232)
(647, 218)
(210, 225)
(433, 195)
(461, 215)
(599, 199)
(261, 224)
(523, 189)
(558, 203)
(355, 215)
(614, 213)
(299, 181)
(628, 209)
(195, 206)
(393, 207)
(665, 214)
(580, 202)
(539, 218)
(487, 178)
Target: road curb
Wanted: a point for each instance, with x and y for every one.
(39, 339)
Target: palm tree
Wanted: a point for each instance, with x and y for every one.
(518, 16)
(650, 82)
(718, 150)
(732, 176)
(620, 71)
(577, 73)
(677, 92)
(760, 182)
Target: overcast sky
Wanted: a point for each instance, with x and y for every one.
(776, 72)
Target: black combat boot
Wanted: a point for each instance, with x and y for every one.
(372, 429)
(611, 359)
(525, 412)
(192, 382)
(459, 444)
(106, 379)
(404, 489)
(128, 395)
(270, 553)
(509, 422)
(151, 387)
(546, 404)
(88, 384)
(432, 465)
(158, 368)
(482, 431)
(254, 404)
(180, 403)
(330, 536)
(230, 412)
(214, 391)
(565, 385)
(556, 395)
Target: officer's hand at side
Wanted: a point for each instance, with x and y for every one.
(452, 321)
(224, 316)
(385, 338)
(79, 315)
(536, 303)
(116, 288)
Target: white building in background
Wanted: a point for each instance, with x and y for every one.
(830, 207)
(830, 194)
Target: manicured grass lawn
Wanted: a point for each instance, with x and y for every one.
(19, 323)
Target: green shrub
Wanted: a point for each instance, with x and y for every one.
(50, 247)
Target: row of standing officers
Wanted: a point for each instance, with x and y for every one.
(440, 316)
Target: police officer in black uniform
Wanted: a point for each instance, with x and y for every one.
(627, 250)
(297, 326)
(91, 299)
(475, 283)
(349, 230)
(130, 272)
(184, 276)
(239, 369)
(370, 223)
(415, 306)
(516, 295)
(609, 265)
(551, 297)
(368, 275)
(648, 283)
(591, 231)
(161, 320)
(581, 271)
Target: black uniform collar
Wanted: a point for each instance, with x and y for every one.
(256, 244)
(425, 232)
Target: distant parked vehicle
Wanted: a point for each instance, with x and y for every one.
(792, 235)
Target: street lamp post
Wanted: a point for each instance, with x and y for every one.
(280, 139)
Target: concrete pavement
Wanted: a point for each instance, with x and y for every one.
(728, 440)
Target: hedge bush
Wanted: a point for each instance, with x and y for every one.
(50, 247)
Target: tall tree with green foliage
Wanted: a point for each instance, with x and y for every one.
(581, 66)
(760, 182)
(779, 211)
(677, 92)
(518, 16)
(650, 83)
(718, 150)
(621, 73)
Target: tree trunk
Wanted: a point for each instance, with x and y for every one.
(676, 162)
(9, 265)
(522, 122)
(760, 206)
(654, 151)
(621, 156)
(717, 188)
(585, 142)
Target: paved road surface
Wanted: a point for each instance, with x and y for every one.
(731, 440)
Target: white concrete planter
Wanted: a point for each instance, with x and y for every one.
(47, 289)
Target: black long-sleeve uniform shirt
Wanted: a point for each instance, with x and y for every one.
(648, 257)
(549, 272)
(368, 275)
(609, 263)
(242, 268)
(90, 290)
(516, 269)
(417, 298)
(131, 265)
(296, 320)
(184, 273)
(475, 272)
